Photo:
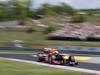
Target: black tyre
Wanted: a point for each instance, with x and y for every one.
(76, 63)
(71, 64)
(40, 59)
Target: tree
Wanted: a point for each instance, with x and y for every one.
(78, 19)
(49, 29)
(21, 8)
(2, 11)
(46, 10)
(67, 9)
(63, 9)
(15, 9)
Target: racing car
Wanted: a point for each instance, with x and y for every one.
(71, 61)
(56, 58)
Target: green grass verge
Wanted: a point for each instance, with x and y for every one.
(92, 19)
(38, 39)
(17, 52)
(17, 68)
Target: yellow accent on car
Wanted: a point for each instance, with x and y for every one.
(65, 57)
(82, 58)
(78, 57)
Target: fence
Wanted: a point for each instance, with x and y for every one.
(63, 49)
(78, 49)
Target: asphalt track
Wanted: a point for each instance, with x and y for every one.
(90, 66)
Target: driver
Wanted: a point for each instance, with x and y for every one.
(46, 50)
(50, 51)
(54, 51)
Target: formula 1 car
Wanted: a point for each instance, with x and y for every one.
(71, 61)
(56, 59)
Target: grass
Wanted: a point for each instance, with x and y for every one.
(38, 39)
(17, 68)
(92, 19)
(17, 52)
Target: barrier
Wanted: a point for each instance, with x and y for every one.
(19, 49)
(63, 49)
(77, 48)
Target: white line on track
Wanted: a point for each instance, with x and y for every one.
(55, 66)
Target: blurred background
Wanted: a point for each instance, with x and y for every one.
(43, 23)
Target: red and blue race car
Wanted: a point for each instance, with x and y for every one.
(56, 59)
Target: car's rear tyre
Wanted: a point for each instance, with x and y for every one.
(76, 63)
(39, 59)
(71, 64)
